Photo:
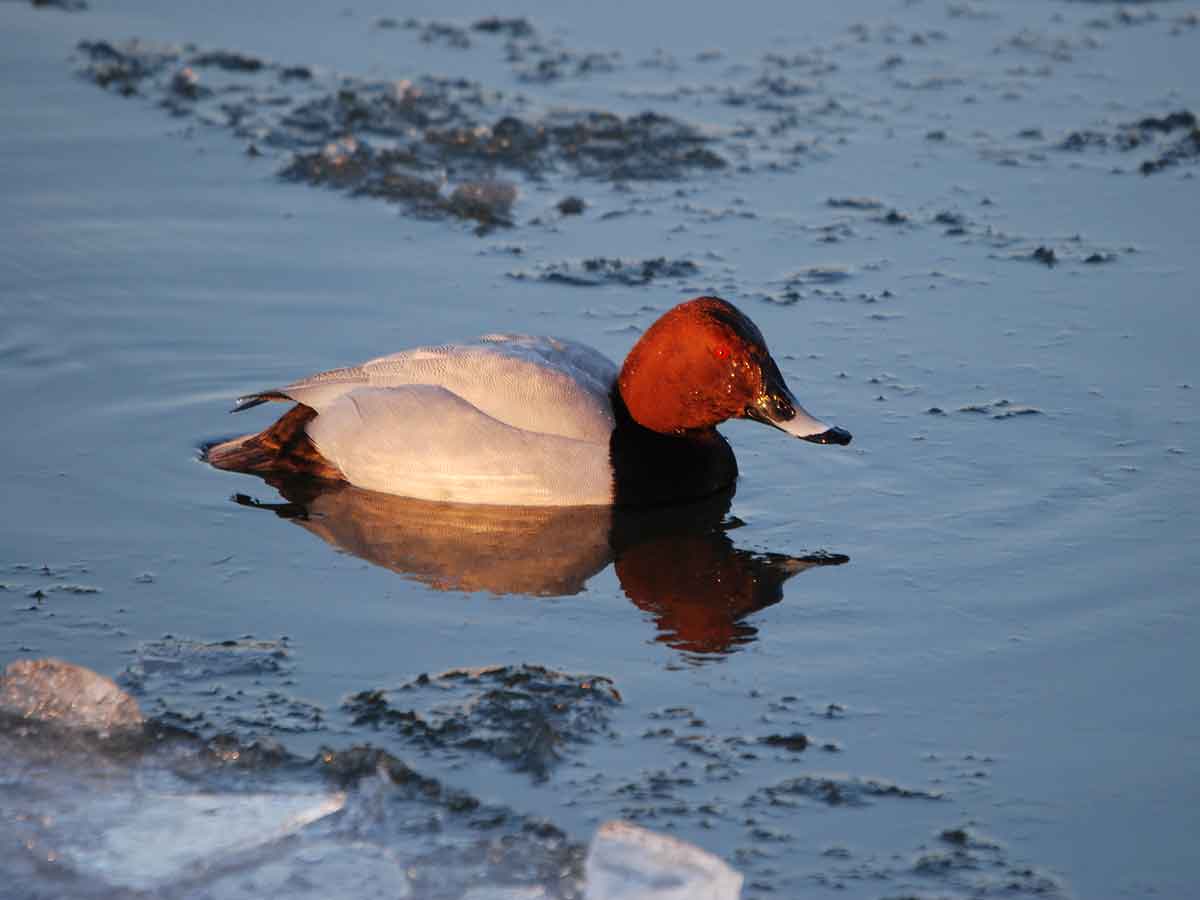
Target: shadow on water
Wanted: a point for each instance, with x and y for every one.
(677, 563)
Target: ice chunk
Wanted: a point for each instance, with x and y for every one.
(164, 839)
(321, 869)
(626, 862)
(55, 691)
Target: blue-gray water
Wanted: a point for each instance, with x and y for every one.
(1016, 629)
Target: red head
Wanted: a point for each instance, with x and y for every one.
(704, 362)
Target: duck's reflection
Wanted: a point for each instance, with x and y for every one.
(676, 563)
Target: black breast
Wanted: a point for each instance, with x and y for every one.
(652, 469)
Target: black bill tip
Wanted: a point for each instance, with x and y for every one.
(838, 436)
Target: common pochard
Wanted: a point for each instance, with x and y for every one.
(535, 421)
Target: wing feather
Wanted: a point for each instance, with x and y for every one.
(426, 442)
(538, 384)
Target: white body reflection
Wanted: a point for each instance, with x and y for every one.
(677, 562)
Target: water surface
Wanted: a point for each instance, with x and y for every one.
(1002, 314)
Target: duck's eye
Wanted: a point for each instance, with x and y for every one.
(720, 351)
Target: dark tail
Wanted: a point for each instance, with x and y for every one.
(252, 400)
(282, 451)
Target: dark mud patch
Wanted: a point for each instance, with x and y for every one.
(601, 270)
(999, 409)
(967, 860)
(46, 579)
(836, 790)
(1045, 255)
(529, 717)
(1184, 23)
(446, 34)
(785, 116)
(1050, 252)
(726, 757)
(234, 685)
(571, 206)
(357, 167)
(124, 67)
(974, 868)
(694, 754)
(644, 147)
(435, 146)
(61, 5)
(44, 584)
(795, 742)
(832, 232)
(703, 778)
(792, 296)
(813, 279)
(184, 660)
(534, 57)
(953, 223)
(893, 384)
(1163, 141)
(820, 275)
(822, 282)
(74, 589)
(506, 27)
(539, 61)
(1057, 47)
(1125, 17)
(712, 215)
(860, 204)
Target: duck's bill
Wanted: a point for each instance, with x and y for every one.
(779, 409)
(834, 435)
(807, 428)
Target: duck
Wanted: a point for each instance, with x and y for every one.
(520, 420)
